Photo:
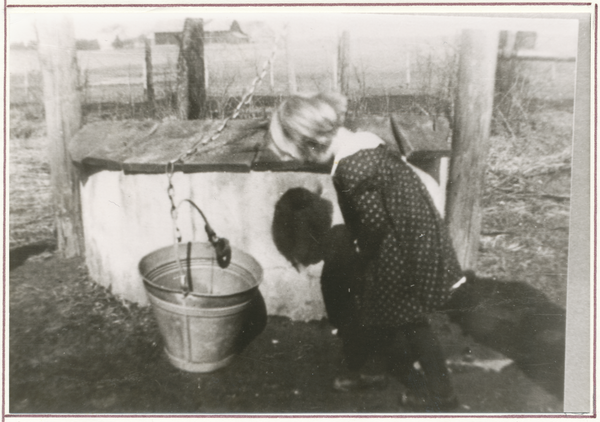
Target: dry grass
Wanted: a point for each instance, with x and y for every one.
(526, 206)
(30, 209)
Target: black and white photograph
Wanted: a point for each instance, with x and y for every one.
(298, 210)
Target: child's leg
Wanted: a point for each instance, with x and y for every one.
(402, 365)
(360, 346)
(355, 348)
(425, 346)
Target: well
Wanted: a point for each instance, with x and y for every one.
(238, 181)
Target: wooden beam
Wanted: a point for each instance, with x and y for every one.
(191, 87)
(62, 105)
(470, 143)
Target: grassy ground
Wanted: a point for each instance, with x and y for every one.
(76, 348)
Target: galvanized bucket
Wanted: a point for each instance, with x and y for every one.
(205, 327)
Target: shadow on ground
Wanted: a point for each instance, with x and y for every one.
(75, 348)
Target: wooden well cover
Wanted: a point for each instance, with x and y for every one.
(147, 146)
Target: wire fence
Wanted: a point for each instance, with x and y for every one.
(389, 71)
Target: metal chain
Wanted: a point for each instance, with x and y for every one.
(246, 99)
(171, 194)
(176, 233)
(170, 168)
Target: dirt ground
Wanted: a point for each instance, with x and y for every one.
(75, 348)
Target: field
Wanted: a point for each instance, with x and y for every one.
(377, 68)
(74, 347)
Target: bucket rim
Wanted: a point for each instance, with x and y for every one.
(196, 294)
(257, 275)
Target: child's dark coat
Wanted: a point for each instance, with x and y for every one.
(510, 317)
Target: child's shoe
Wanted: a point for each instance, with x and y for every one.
(424, 403)
(375, 382)
(346, 384)
(360, 382)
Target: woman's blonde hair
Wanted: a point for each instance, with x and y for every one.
(307, 119)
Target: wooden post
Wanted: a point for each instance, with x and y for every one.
(505, 72)
(191, 89)
(343, 62)
(206, 76)
(408, 67)
(130, 91)
(272, 75)
(149, 80)
(62, 106)
(291, 71)
(27, 86)
(470, 142)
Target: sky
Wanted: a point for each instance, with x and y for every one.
(91, 25)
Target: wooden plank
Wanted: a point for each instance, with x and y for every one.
(267, 160)
(421, 136)
(147, 147)
(379, 125)
(167, 143)
(110, 141)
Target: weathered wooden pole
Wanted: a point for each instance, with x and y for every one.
(407, 54)
(62, 105)
(505, 70)
(191, 88)
(289, 55)
(149, 80)
(272, 75)
(470, 141)
(343, 62)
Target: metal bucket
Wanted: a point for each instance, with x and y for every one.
(206, 328)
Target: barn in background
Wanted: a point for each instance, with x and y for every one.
(215, 31)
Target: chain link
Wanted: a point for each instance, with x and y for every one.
(246, 99)
(170, 168)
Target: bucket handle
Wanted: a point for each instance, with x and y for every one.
(221, 245)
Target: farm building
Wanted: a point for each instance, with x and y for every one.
(214, 32)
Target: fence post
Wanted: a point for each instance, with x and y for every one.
(27, 85)
(343, 62)
(149, 80)
(291, 71)
(206, 76)
(470, 142)
(272, 75)
(408, 67)
(62, 105)
(505, 71)
(131, 104)
(191, 90)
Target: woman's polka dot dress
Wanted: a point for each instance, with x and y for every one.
(409, 262)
